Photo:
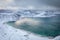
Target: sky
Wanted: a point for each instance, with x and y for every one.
(30, 4)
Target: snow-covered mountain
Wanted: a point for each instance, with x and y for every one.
(17, 14)
(10, 33)
(30, 13)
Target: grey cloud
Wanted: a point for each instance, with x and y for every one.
(55, 3)
(38, 4)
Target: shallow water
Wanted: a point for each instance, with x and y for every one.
(48, 26)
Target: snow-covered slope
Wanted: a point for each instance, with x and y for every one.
(9, 33)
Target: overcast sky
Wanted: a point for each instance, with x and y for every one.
(30, 4)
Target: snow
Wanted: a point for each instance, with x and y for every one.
(9, 33)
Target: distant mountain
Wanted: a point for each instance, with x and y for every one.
(5, 11)
(31, 13)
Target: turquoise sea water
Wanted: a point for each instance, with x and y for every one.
(48, 26)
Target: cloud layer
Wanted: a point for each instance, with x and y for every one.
(30, 4)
